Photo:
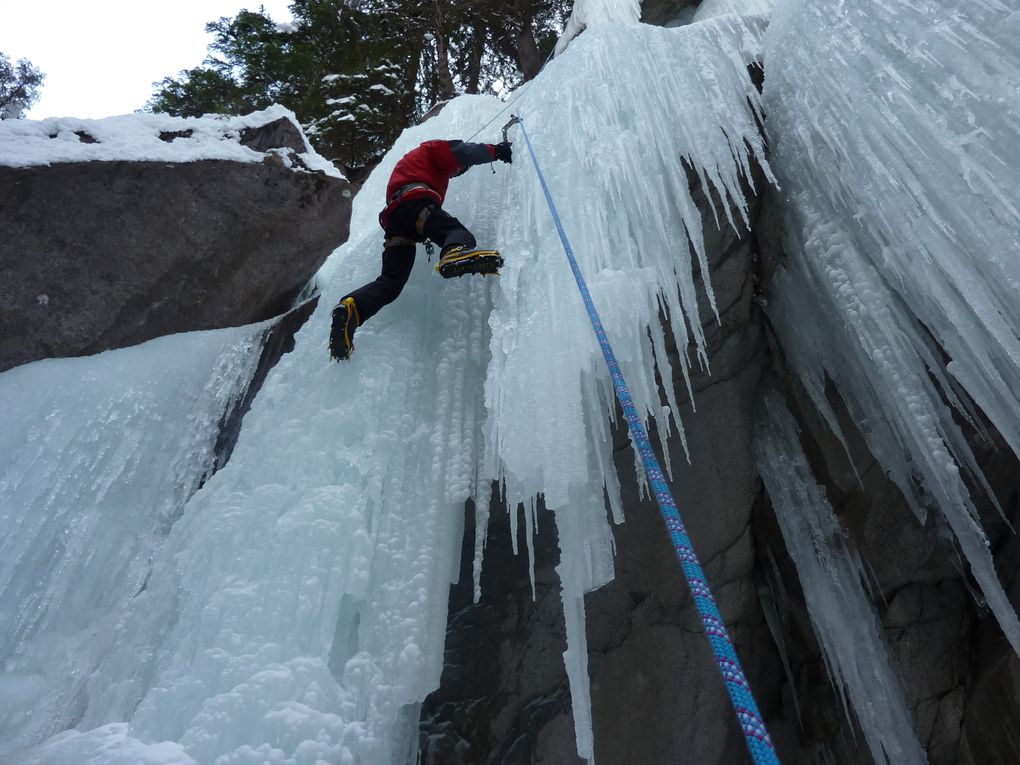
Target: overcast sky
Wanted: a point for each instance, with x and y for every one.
(100, 57)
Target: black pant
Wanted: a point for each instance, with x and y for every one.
(398, 258)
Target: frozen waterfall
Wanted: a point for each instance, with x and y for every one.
(301, 596)
(292, 607)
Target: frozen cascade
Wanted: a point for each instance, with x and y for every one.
(894, 130)
(99, 456)
(623, 194)
(297, 610)
(831, 576)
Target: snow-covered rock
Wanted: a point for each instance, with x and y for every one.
(119, 230)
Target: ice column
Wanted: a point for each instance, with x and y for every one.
(588, 13)
(831, 577)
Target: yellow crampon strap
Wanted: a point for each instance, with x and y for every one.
(457, 255)
(353, 306)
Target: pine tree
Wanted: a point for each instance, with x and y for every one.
(249, 67)
(357, 72)
(19, 86)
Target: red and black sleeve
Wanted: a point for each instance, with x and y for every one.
(471, 154)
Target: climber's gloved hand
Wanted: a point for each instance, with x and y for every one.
(504, 153)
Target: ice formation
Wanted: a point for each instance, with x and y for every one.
(831, 576)
(708, 9)
(893, 132)
(590, 13)
(99, 456)
(137, 138)
(622, 193)
(293, 610)
(297, 609)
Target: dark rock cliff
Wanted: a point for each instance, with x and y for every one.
(100, 255)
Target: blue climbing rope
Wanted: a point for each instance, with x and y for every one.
(750, 718)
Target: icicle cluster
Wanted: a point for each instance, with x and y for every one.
(708, 9)
(831, 576)
(894, 131)
(612, 124)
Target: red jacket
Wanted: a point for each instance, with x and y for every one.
(433, 164)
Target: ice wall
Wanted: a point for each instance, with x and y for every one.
(893, 131)
(98, 457)
(296, 611)
(832, 576)
(708, 9)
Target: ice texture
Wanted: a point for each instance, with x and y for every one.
(831, 575)
(99, 456)
(893, 130)
(709, 9)
(590, 13)
(136, 138)
(296, 612)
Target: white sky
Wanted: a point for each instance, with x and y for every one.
(100, 57)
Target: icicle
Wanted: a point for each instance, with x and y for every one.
(530, 527)
(768, 597)
(482, 496)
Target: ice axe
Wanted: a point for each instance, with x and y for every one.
(514, 119)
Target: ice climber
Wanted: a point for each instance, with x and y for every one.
(414, 213)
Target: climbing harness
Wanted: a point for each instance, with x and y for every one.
(750, 718)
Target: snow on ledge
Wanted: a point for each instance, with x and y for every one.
(147, 138)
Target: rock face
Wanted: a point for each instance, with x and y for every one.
(100, 255)
(504, 695)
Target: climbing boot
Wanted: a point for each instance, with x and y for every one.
(341, 335)
(460, 260)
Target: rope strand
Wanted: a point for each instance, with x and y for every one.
(515, 98)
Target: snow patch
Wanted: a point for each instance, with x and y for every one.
(143, 138)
